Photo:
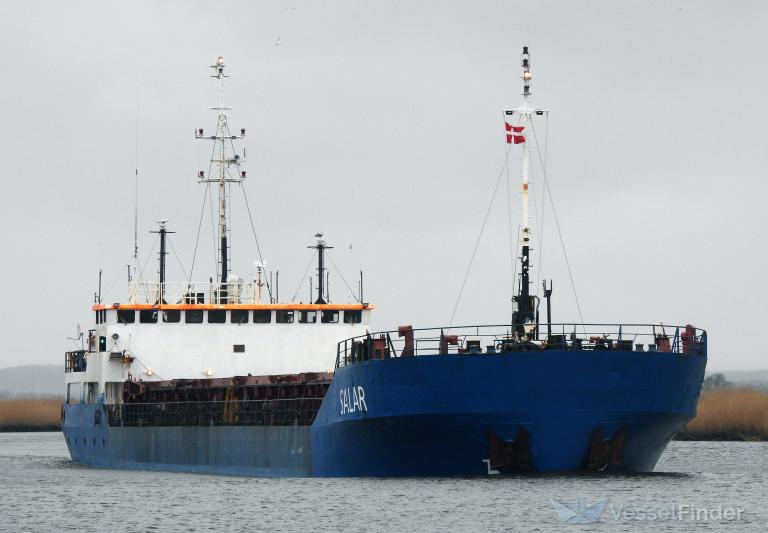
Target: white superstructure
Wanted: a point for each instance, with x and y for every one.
(217, 329)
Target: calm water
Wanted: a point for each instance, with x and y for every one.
(42, 490)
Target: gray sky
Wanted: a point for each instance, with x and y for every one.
(380, 125)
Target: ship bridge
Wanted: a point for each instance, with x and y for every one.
(202, 337)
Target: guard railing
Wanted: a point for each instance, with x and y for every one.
(500, 338)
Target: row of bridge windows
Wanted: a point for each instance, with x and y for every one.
(233, 316)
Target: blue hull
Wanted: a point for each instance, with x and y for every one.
(271, 451)
(432, 415)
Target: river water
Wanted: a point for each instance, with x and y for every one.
(701, 486)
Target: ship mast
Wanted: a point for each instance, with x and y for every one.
(163, 232)
(524, 317)
(321, 247)
(222, 158)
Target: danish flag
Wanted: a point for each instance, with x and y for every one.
(511, 137)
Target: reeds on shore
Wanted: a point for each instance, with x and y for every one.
(729, 414)
(723, 414)
(30, 414)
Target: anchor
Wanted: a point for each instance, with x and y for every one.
(605, 452)
(508, 456)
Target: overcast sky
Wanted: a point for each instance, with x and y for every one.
(380, 125)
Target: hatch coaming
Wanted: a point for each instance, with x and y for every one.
(275, 400)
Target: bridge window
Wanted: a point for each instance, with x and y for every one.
(353, 317)
(238, 348)
(262, 316)
(217, 316)
(193, 316)
(330, 317)
(284, 317)
(98, 317)
(126, 316)
(238, 316)
(171, 316)
(148, 316)
(307, 317)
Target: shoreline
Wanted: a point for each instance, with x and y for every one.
(725, 415)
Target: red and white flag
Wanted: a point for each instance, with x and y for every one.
(511, 137)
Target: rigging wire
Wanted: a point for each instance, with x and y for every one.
(256, 238)
(111, 285)
(228, 200)
(303, 277)
(534, 189)
(341, 276)
(197, 239)
(178, 259)
(216, 255)
(149, 255)
(543, 204)
(480, 235)
(512, 240)
(557, 225)
(517, 254)
(136, 186)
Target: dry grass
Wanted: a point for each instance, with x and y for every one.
(723, 414)
(730, 414)
(30, 414)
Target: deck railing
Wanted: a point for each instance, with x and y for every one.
(236, 291)
(498, 338)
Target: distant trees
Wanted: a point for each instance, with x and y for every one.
(716, 381)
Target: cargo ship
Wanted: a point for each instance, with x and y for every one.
(222, 377)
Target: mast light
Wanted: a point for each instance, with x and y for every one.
(527, 75)
(220, 61)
